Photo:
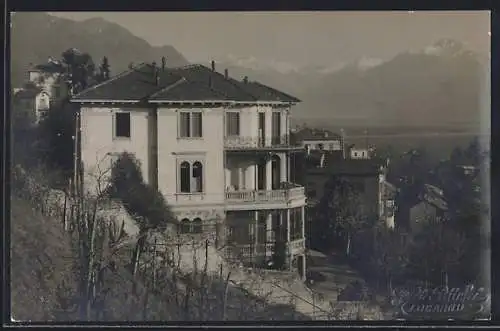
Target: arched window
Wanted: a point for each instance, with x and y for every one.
(197, 177)
(185, 226)
(197, 225)
(185, 178)
(43, 101)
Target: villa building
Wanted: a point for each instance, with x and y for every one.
(217, 148)
(43, 87)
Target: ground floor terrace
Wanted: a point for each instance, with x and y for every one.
(267, 238)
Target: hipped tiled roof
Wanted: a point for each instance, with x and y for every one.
(190, 83)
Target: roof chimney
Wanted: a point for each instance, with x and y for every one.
(213, 65)
(245, 79)
(226, 73)
(163, 63)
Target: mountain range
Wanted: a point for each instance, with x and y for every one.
(36, 36)
(440, 84)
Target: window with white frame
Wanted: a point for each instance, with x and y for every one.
(190, 124)
(191, 177)
(232, 123)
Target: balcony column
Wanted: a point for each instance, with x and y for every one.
(241, 180)
(284, 125)
(288, 244)
(283, 167)
(269, 226)
(269, 174)
(252, 177)
(303, 215)
(256, 233)
(288, 234)
(304, 266)
(227, 178)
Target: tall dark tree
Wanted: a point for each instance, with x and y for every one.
(389, 257)
(339, 213)
(105, 69)
(56, 134)
(80, 69)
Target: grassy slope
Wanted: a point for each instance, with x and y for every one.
(40, 262)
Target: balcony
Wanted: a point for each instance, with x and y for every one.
(266, 199)
(238, 143)
(295, 247)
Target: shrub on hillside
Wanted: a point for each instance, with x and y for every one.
(141, 200)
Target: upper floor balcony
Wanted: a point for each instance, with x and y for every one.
(288, 195)
(241, 143)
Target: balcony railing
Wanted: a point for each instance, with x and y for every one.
(297, 246)
(241, 142)
(266, 196)
(248, 250)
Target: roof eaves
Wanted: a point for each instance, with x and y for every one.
(294, 99)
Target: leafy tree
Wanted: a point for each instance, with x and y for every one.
(80, 70)
(143, 202)
(436, 252)
(339, 213)
(390, 255)
(54, 137)
(56, 134)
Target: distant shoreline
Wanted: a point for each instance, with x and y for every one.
(416, 135)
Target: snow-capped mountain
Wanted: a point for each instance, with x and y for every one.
(287, 68)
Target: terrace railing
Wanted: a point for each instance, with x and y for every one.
(244, 142)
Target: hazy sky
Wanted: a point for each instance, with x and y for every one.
(300, 38)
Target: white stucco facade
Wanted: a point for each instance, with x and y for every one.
(100, 146)
(241, 174)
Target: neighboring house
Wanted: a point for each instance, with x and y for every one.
(26, 100)
(430, 207)
(43, 88)
(367, 177)
(320, 140)
(357, 153)
(48, 78)
(217, 148)
(32, 100)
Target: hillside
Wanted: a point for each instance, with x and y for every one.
(37, 269)
(36, 36)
